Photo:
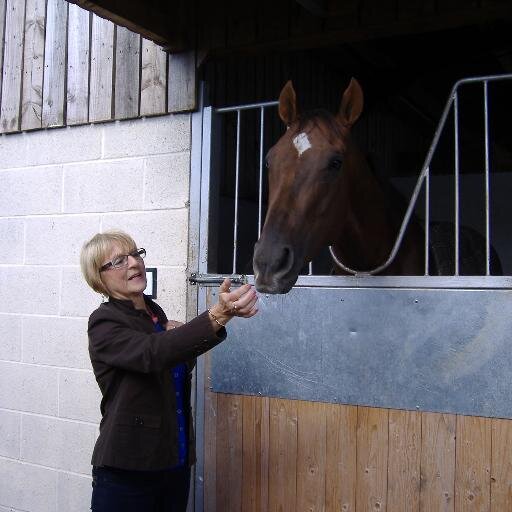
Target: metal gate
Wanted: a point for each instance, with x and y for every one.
(421, 343)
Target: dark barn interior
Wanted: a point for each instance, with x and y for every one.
(406, 81)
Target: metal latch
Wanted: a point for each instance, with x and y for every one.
(216, 279)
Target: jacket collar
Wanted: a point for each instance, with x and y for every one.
(128, 304)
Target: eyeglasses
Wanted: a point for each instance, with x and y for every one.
(122, 260)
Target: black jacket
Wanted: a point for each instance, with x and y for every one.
(132, 363)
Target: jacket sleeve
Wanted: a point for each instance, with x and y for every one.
(113, 342)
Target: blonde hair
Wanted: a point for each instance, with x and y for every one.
(96, 250)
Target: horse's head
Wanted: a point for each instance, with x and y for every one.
(308, 194)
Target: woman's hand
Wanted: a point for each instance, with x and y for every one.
(172, 324)
(239, 302)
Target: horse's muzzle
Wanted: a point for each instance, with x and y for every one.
(274, 266)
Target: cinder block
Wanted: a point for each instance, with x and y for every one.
(58, 240)
(148, 136)
(28, 488)
(12, 237)
(73, 493)
(31, 190)
(164, 234)
(104, 186)
(166, 181)
(56, 341)
(33, 290)
(10, 337)
(10, 423)
(13, 148)
(28, 388)
(79, 396)
(171, 293)
(60, 145)
(77, 299)
(57, 443)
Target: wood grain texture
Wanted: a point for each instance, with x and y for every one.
(33, 65)
(404, 461)
(341, 458)
(372, 459)
(501, 457)
(127, 77)
(473, 468)
(255, 454)
(229, 452)
(437, 490)
(13, 65)
(102, 56)
(282, 475)
(153, 79)
(181, 82)
(54, 79)
(311, 456)
(2, 41)
(78, 66)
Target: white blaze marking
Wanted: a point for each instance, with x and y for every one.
(301, 143)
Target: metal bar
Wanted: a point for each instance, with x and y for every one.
(205, 188)
(260, 192)
(216, 279)
(427, 220)
(310, 266)
(456, 178)
(401, 282)
(237, 171)
(487, 188)
(246, 107)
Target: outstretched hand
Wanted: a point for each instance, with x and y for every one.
(239, 302)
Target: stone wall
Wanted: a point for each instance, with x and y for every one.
(57, 188)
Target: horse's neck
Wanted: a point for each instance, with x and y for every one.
(369, 233)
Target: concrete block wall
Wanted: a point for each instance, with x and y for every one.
(57, 188)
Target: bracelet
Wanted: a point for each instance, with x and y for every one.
(215, 318)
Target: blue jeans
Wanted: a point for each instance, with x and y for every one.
(120, 490)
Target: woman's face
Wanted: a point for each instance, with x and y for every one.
(127, 282)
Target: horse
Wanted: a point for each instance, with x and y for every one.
(322, 192)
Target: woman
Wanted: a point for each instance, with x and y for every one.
(142, 362)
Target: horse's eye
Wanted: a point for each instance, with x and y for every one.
(335, 164)
(267, 163)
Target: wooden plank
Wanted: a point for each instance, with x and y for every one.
(501, 458)
(437, 462)
(78, 65)
(229, 452)
(127, 78)
(340, 478)
(473, 468)
(153, 79)
(404, 461)
(13, 63)
(102, 55)
(55, 63)
(311, 456)
(181, 82)
(2, 39)
(33, 65)
(282, 455)
(210, 442)
(372, 458)
(255, 454)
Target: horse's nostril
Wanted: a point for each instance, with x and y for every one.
(284, 260)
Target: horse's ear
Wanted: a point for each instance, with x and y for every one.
(288, 104)
(351, 103)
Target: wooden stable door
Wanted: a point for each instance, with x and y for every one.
(270, 454)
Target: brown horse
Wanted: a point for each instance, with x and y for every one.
(323, 192)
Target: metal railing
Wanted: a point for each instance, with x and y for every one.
(423, 178)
